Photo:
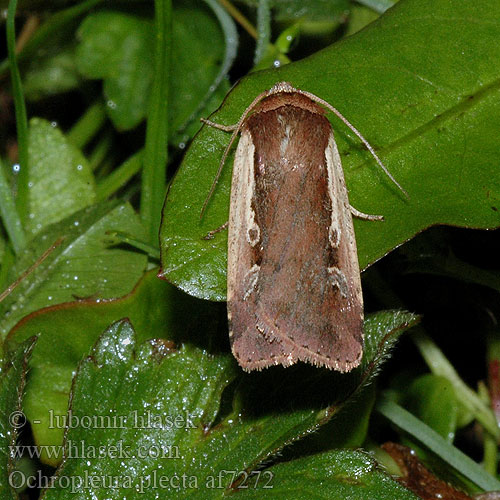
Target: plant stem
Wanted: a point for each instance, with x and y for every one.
(87, 126)
(240, 18)
(10, 217)
(21, 117)
(156, 152)
(120, 176)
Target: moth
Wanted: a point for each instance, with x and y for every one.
(293, 278)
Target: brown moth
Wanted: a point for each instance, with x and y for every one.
(293, 279)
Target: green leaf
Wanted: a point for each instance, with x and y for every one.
(164, 402)
(199, 57)
(276, 407)
(432, 399)
(360, 17)
(336, 475)
(51, 73)
(138, 385)
(117, 48)
(219, 85)
(81, 266)
(60, 179)
(426, 99)
(155, 308)
(48, 55)
(348, 429)
(12, 419)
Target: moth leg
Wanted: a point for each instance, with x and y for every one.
(361, 215)
(226, 128)
(210, 235)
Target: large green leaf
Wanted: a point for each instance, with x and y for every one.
(117, 47)
(155, 308)
(61, 181)
(336, 475)
(82, 265)
(163, 401)
(421, 84)
(432, 399)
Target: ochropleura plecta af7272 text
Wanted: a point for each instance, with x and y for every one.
(293, 279)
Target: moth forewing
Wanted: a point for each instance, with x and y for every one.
(249, 346)
(294, 287)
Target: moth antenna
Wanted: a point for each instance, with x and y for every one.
(237, 128)
(337, 113)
